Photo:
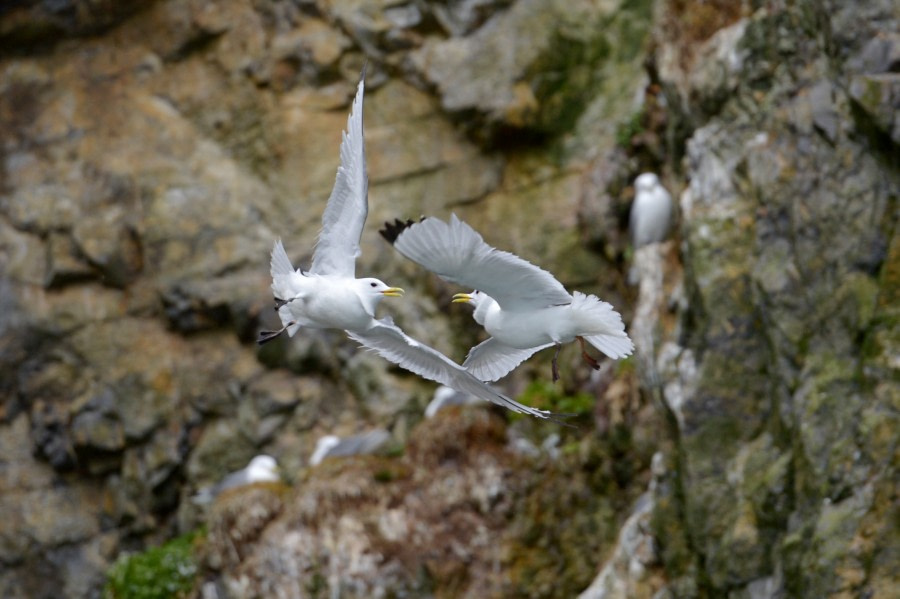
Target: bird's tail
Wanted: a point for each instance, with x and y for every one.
(602, 325)
(290, 322)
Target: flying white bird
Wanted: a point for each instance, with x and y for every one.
(331, 446)
(445, 397)
(523, 307)
(651, 211)
(329, 296)
(262, 468)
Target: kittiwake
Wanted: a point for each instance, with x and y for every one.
(523, 307)
(651, 211)
(330, 446)
(262, 468)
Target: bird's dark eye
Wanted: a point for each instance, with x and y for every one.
(477, 292)
(374, 284)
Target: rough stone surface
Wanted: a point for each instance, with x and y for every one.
(787, 221)
(150, 153)
(455, 514)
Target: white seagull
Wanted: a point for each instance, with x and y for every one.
(329, 296)
(651, 211)
(262, 468)
(445, 397)
(332, 446)
(523, 307)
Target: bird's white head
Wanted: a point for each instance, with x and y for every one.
(323, 446)
(475, 298)
(646, 182)
(263, 468)
(479, 300)
(371, 291)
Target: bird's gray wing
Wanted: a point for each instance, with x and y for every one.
(342, 222)
(491, 360)
(208, 494)
(361, 444)
(233, 480)
(394, 345)
(456, 252)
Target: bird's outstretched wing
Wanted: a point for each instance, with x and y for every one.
(491, 360)
(456, 252)
(391, 343)
(342, 222)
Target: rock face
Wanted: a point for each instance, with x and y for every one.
(151, 154)
(779, 388)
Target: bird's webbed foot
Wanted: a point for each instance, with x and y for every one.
(266, 336)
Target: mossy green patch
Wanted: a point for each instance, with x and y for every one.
(546, 396)
(629, 128)
(157, 573)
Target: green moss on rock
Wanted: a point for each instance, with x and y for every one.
(165, 572)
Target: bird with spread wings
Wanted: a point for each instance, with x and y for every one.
(523, 307)
(329, 296)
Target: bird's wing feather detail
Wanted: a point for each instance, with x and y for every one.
(281, 264)
(491, 360)
(457, 253)
(282, 273)
(345, 214)
(391, 343)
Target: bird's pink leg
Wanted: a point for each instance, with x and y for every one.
(555, 366)
(587, 358)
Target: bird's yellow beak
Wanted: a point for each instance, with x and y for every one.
(392, 292)
(461, 298)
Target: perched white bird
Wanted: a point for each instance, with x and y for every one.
(329, 296)
(651, 211)
(523, 307)
(331, 446)
(445, 397)
(262, 468)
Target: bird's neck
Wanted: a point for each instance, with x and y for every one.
(484, 309)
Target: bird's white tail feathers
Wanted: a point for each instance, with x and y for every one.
(602, 325)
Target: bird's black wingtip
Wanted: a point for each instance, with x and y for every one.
(391, 231)
(560, 418)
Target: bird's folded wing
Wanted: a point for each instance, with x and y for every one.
(457, 253)
(361, 444)
(491, 360)
(394, 345)
(345, 214)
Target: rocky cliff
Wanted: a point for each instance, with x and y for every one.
(152, 152)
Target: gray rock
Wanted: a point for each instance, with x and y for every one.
(64, 265)
(775, 184)
(510, 71)
(879, 96)
(625, 573)
(111, 245)
(462, 17)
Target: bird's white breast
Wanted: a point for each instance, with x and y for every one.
(330, 302)
(530, 328)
